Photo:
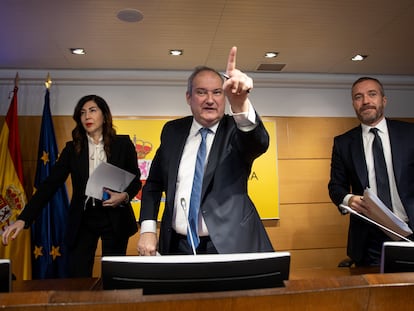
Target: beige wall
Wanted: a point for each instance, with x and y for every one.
(310, 227)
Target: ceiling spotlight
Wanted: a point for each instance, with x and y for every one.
(78, 51)
(359, 57)
(271, 54)
(130, 15)
(176, 52)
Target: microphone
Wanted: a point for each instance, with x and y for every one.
(184, 207)
(350, 210)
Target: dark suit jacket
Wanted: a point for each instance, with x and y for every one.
(123, 155)
(231, 218)
(349, 175)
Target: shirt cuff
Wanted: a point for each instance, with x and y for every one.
(148, 226)
(345, 202)
(246, 121)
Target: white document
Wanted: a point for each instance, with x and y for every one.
(382, 214)
(392, 234)
(379, 214)
(107, 176)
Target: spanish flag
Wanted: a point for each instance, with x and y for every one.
(12, 194)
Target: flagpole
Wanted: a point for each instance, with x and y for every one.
(48, 81)
(16, 80)
(16, 86)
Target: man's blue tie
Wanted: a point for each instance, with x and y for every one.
(196, 190)
(381, 174)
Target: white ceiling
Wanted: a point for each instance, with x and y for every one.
(312, 36)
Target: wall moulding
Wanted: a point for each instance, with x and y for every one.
(178, 78)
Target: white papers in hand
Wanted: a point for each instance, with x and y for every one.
(107, 176)
(383, 217)
(394, 235)
(382, 214)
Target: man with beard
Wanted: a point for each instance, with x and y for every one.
(353, 170)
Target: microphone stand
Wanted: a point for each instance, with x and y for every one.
(184, 207)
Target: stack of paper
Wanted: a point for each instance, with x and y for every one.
(380, 213)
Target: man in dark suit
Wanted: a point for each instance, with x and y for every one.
(353, 170)
(228, 221)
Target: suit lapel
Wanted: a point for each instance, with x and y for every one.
(216, 152)
(358, 156)
(396, 150)
(84, 164)
(176, 148)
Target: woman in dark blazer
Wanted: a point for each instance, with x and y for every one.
(113, 220)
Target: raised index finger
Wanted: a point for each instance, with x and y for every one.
(231, 62)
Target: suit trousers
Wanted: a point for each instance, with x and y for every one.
(180, 246)
(372, 253)
(95, 224)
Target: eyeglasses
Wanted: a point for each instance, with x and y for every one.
(200, 92)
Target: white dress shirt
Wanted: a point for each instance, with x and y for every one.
(97, 155)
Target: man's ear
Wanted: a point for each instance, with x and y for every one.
(188, 97)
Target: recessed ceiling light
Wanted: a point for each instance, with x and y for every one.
(78, 51)
(176, 52)
(359, 57)
(130, 15)
(271, 54)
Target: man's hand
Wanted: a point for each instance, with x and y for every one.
(356, 202)
(237, 86)
(147, 244)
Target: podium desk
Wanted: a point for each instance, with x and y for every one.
(57, 285)
(370, 292)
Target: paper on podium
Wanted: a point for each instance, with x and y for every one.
(107, 176)
(380, 213)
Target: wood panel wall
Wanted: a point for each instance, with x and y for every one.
(310, 227)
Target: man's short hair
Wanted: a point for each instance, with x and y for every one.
(362, 79)
(195, 72)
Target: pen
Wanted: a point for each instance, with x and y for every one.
(226, 76)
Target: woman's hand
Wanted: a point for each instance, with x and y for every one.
(12, 231)
(115, 198)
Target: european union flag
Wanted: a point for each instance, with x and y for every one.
(49, 257)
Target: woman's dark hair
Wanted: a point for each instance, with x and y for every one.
(79, 133)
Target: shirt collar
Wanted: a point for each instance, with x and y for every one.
(90, 140)
(195, 128)
(382, 126)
